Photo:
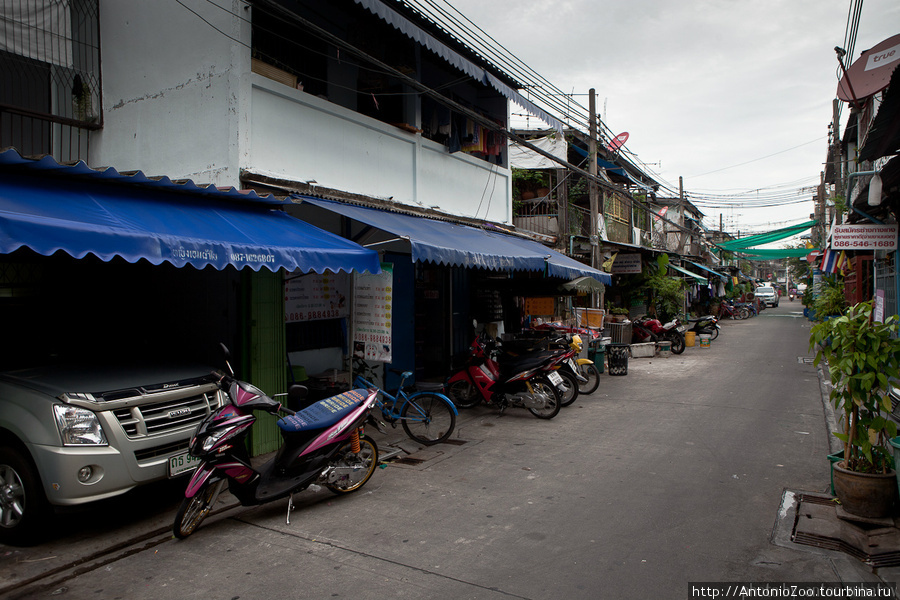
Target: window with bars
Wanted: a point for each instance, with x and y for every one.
(49, 76)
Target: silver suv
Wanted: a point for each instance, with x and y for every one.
(768, 295)
(74, 435)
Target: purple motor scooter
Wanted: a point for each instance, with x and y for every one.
(323, 444)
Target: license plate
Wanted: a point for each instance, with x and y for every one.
(572, 364)
(682, 328)
(554, 378)
(182, 463)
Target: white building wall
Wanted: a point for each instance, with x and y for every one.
(172, 95)
(301, 137)
(180, 100)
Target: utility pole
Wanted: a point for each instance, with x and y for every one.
(592, 184)
(682, 235)
(837, 154)
(821, 204)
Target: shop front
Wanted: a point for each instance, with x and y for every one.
(101, 266)
(444, 276)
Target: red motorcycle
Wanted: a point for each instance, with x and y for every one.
(522, 384)
(647, 329)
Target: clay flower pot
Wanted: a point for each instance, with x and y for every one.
(868, 495)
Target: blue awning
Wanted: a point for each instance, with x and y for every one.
(699, 266)
(443, 242)
(85, 215)
(603, 164)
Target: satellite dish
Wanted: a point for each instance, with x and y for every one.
(871, 72)
(617, 142)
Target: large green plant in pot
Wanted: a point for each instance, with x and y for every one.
(863, 356)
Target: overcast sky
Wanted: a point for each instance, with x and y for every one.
(732, 96)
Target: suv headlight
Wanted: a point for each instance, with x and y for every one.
(78, 426)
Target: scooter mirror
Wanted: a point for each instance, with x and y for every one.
(227, 354)
(297, 392)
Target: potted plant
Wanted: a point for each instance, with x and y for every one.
(863, 356)
(829, 300)
(617, 314)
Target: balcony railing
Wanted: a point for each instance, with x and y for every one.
(50, 77)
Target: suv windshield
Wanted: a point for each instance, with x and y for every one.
(765, 291)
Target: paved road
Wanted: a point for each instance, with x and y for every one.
(672, 474)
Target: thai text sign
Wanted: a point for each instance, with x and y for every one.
(627, 263)
(864, 237)
(372, 314)
(314, 297)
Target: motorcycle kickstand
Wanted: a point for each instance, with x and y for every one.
(290, 507)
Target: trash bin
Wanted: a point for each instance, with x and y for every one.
(617, 356)
(597, 353)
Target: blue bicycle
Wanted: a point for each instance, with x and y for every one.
(427, 417)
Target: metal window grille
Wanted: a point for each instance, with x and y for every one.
(885, 279)
(49, 76)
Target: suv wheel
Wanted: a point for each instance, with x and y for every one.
(23, 506)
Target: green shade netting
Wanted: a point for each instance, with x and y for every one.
(765, 238)
(771, 254)
(698, 278)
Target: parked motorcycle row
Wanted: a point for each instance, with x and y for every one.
(325, 443)
(538, 375)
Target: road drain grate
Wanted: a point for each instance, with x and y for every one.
(818, 525)
(406, 460)
(805, 360)
(455, 442)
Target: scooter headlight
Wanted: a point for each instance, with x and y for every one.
(576, 342)
(213, 439)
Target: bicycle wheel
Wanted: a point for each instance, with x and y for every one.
(428, 418)
(590, 372)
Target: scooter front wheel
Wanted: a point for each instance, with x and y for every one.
(590, 372)
(677, 340)
(353, 470)
(463, 394)
(193, 510)
(570, 394)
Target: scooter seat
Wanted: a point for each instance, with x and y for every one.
(324, 413)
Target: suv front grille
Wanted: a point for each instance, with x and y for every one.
(157, 418)
(156, 452)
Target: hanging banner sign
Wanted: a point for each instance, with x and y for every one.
(626, 264)
(314, 297)
(864, 237)
(372, 300)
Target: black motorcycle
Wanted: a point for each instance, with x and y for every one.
(705, 325)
